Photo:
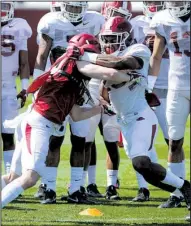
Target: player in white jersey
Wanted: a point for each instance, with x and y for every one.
(172, 28)
(137, 120)
(108, 125)
(55, 30)
(14, 53)
(145, 35)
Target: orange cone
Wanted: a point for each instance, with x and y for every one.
(91, 212)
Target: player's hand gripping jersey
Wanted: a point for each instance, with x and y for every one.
(145, 35)
(14, 36)
(177, 36)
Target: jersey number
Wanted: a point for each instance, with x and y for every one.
(7, 45)
(175, 42)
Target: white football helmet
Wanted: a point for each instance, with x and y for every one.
(7, 11)
(55, 6)
(74, 11)
(178, 9)
(150, 8)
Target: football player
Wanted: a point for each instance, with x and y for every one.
(137, 120)
(172, 28)
(107, 123)
(145, 35)
(14, 52)
(55, 30)
(60, 89)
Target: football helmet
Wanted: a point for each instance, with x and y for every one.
(117, 8)
(74, 11)
(55, 6)
(150, 8)
(178, 9)
(116, 35)
(7, 11)
(86, 41)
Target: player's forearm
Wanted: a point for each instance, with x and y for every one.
(154, 66)
(109, 61)
(77, 113)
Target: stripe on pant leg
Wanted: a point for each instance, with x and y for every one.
(28, 137)
(154, 127)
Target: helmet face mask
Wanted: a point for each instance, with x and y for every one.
(7, 11)
(116, 8)
(178, 9)
(116, 35)
(150, 8)
(74, 11)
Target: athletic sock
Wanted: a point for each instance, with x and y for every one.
(10, 192)
(75, 179)
(141, 181)
(7, 160)
(112, 177)
(49, 177)
(179, 170)
(173, 180)
(84, 178)
(3, 184)
(92, 174)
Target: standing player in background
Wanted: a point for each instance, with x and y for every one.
(172, 28)
(145, 35)
(14, 52)
(55, 30)
(110, 128)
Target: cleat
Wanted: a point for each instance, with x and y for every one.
(92, 191)
(188, 218)
(50, 197)
(78, 198)
(172, 202)
(41, 191)
(111, 193)
(117, 183)
(142, 195)
(186, 191)
(82, 190)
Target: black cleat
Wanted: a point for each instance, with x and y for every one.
(111, 193)
(50, 197)
(92, 191)
(142, 195)
(117, 183)
(82, 190)
(186, 191)
(41, 191)
(172, 202)
(79, 198)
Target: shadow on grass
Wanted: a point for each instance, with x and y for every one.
(19, 208)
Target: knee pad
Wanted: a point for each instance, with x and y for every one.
(55, 143)
(8, 141)
(142, 164)
(78, 143)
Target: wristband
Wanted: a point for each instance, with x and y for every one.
(37, 73)
(25, 83)
(151, 81)
(90, 57)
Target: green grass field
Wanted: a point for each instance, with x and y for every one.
(28, 211)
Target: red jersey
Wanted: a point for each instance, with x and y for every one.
(55, 99)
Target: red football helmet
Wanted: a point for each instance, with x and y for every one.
(116, 35)
(150, 8)
(87, 41)
(55, 6)
(117, 8)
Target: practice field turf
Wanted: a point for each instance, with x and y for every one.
(28, 211)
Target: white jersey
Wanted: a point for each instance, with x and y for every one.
(145, 35)
(93, 87)
(129, 99)
(61, 29)
(14, 36)
(177, 36)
